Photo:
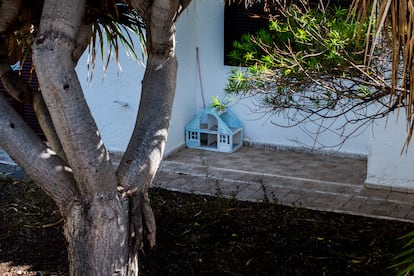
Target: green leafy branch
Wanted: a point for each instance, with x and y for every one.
(309, 63)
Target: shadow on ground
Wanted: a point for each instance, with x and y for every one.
(202, 235)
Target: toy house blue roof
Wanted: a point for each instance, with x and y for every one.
(226, 121)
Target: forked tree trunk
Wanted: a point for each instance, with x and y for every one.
(106, 211)
(97, 219)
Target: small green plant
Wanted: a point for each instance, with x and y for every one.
(264, 190)
(218, 190)
(204, 165)
(218, 104)
(275, 200)
(404, 262)
(235, 192)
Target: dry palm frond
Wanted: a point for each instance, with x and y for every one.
(392, 22)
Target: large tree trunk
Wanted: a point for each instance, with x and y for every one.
(96, 223)
(106, 211)
(97, 236)
(146, 147)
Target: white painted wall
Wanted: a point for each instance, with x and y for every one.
(388, 166)
(258, 129)
(114, 102)
(114, 98)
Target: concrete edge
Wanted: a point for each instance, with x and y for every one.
(308, 150)
(376, 184)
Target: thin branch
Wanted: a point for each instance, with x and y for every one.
(62, 92)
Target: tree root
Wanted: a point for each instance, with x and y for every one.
(142, 222)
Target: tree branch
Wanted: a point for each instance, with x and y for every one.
(32, 155)
(161, 31)
(145, 149)
(53, 58)
(141, 6)
(19, 89)
(82, 41)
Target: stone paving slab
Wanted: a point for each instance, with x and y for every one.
(401, 210)
(286, 163)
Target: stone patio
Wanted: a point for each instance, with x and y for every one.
(313, 181)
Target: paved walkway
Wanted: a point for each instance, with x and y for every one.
(313, 181)
(319, 182)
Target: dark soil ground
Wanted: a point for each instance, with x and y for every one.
(200, 235)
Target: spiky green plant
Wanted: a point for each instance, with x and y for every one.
(404, 262)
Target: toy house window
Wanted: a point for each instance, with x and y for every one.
(208, 122)
(224, 139)
(193, 135)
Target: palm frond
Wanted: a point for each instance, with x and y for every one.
(112, 25)
(392, 22)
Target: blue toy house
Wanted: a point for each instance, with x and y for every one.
(214, 131)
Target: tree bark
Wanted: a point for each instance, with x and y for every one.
(96, 225)
(146, 147)
(97, 235)
(106, 212)
(9, 10)
(45, 168)
(62, 92)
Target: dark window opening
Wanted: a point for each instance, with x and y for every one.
(238, 20)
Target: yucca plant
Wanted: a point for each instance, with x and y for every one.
(404, 262)
(112, 26)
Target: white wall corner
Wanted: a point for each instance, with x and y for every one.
(388, 166)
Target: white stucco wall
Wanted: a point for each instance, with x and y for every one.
(114, 99)
(257, 128)
(388, 166)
